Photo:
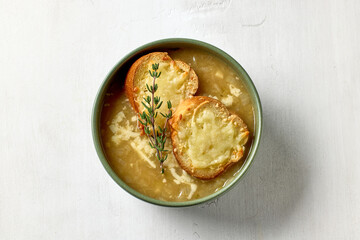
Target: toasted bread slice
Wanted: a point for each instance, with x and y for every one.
(177, 82)
(206, 137)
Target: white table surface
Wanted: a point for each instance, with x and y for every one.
(303, 56)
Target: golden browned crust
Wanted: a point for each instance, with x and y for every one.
(184, 162)
(131, 89)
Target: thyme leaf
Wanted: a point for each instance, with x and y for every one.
(152, 104)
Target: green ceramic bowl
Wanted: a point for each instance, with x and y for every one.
(120, 70)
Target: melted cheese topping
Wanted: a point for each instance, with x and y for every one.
(234, 91)
(210, 139)
(229, 99)
(171, 86)
(124, 130)
(185, 179)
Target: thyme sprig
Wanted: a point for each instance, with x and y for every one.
(157, 137)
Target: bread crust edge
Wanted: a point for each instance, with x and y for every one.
(187, 105)
(130, 76)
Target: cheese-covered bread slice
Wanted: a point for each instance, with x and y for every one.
(176, 83)
(206, 137)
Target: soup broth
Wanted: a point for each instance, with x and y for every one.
(128, 151)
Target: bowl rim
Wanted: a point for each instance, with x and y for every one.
(96, 114)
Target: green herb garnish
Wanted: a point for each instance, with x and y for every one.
(157, 138)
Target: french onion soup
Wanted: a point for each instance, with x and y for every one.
(206, 120)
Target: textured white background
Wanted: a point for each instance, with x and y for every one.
(303, 56)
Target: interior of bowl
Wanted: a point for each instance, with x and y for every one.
(119, 72)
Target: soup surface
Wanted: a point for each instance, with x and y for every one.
(129, 153)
